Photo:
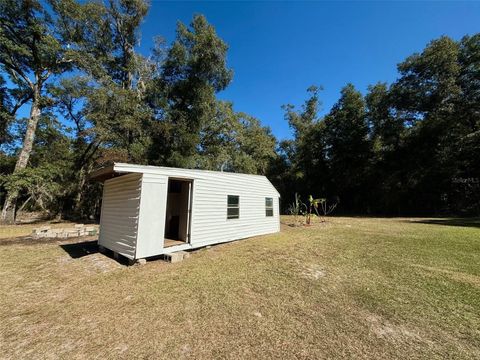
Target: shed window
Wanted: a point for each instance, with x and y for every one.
(269, 206)
(233, 207)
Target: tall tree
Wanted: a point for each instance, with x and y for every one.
(464, 192)
(5, 115)
(235, 142)
(107, 103)
(386, 134)
(301, 121)
(305, 123)
(347, 147)
(469, 81)
(31, 52)
(115, 103)
(194, 70)
(385, 127)
(425, 97)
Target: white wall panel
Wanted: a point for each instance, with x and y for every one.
(119, 216)
(153, 206)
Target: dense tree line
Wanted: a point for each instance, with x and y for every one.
(91, 98)
(407, 148)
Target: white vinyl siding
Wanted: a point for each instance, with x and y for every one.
(209, 223)
(119, 216)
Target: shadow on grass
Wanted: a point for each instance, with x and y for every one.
(464, 222)
(81, 249)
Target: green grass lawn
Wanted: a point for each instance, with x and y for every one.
(348, 288)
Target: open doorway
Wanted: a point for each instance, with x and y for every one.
(177, 219)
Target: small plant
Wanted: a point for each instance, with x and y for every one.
(313, 205)
(296, 209)
(316, 207)
(328, 208)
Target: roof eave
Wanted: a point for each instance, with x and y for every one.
(103, 173)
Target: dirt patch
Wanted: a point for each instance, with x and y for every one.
(392, 332)
(313, 272)
(99, 263)
(290, 223)
(29, 240)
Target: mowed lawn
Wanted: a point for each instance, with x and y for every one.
(349, 288)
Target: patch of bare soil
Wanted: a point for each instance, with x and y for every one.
(286, 224)
(313, 272)
(94, 263)
(29, 240)
(392, 332)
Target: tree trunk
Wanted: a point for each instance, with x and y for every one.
(8, 211)
(82, 179)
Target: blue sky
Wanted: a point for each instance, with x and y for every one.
(278, 49)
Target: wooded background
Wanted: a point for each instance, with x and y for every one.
(407, 148)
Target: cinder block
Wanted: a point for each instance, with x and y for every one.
(186, 254)
(174, 257)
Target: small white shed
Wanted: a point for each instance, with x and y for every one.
(149, 211)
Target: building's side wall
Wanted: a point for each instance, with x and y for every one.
(120, 214)
(151, 227)
(209, 212)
